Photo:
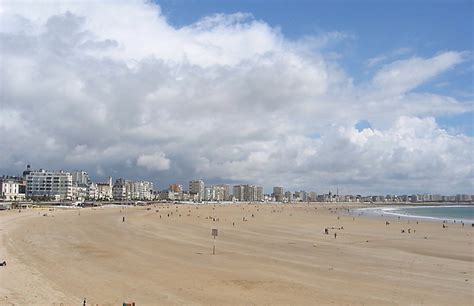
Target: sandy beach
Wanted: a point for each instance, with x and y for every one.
(279, 256)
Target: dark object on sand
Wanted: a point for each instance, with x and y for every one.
(3, 263)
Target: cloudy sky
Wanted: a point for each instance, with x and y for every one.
(360, 96)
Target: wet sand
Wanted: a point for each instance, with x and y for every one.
(281, 256)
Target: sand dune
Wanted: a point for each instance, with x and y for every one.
(281, 256)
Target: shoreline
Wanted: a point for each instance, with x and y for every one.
(390, 212)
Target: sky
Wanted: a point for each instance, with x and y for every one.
(367, 97)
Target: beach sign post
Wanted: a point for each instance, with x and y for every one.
(214, 234)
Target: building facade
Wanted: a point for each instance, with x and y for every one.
(10, 189)
(52, 184)
(196, 188)
(278, 194)
(104, 190)
(251, 193)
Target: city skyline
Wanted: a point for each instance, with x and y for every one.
(78, 185)
(239, 93)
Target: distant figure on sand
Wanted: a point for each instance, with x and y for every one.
(326, 231)
(84, 303)
(123, 219)
(3, 263)
(335, 235)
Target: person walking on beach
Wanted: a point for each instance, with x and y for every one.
(84, 303)
(123, 219)
(335, 235)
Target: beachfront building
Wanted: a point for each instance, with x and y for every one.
(225, 190)
(51, 184)
(217, 193)
(313, 196)
(238, 192)
(278, 194)
(249, 193)
(104, 190)
(10, 189)
(125, 190)
(196, 189)
(81, 183)
(121, 190)
(141, 190)
(92, 191)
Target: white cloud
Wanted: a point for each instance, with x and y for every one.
(229, 98)
(154, 162)
(404, 75)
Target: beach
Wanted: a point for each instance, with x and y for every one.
(162, 255)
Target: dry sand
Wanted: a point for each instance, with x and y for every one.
(281, 256)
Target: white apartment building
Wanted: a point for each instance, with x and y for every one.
(10, 190)
(124, 190)
(57, 184)
(104, 190)
(223, 192)
(197, 188)
(248, 193)
(81, 183)
(93, 191)
(142, 190)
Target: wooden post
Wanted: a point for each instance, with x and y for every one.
(214, 234)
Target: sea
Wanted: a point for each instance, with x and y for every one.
(448, 213)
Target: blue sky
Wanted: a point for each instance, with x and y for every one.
(398, 29)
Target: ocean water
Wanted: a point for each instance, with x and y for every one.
(449, 213)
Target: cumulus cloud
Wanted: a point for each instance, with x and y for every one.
(156, 161)
(102, 87)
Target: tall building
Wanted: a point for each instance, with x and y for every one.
(80, 185)
(124, 190)
(238, 192)
(121, 190)
(278, 194)
(223, 191)
(260, 196)
(196, 188)
(249, 193)
(80, 177)
(208, 193)
(141, 190)
(55, 184)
